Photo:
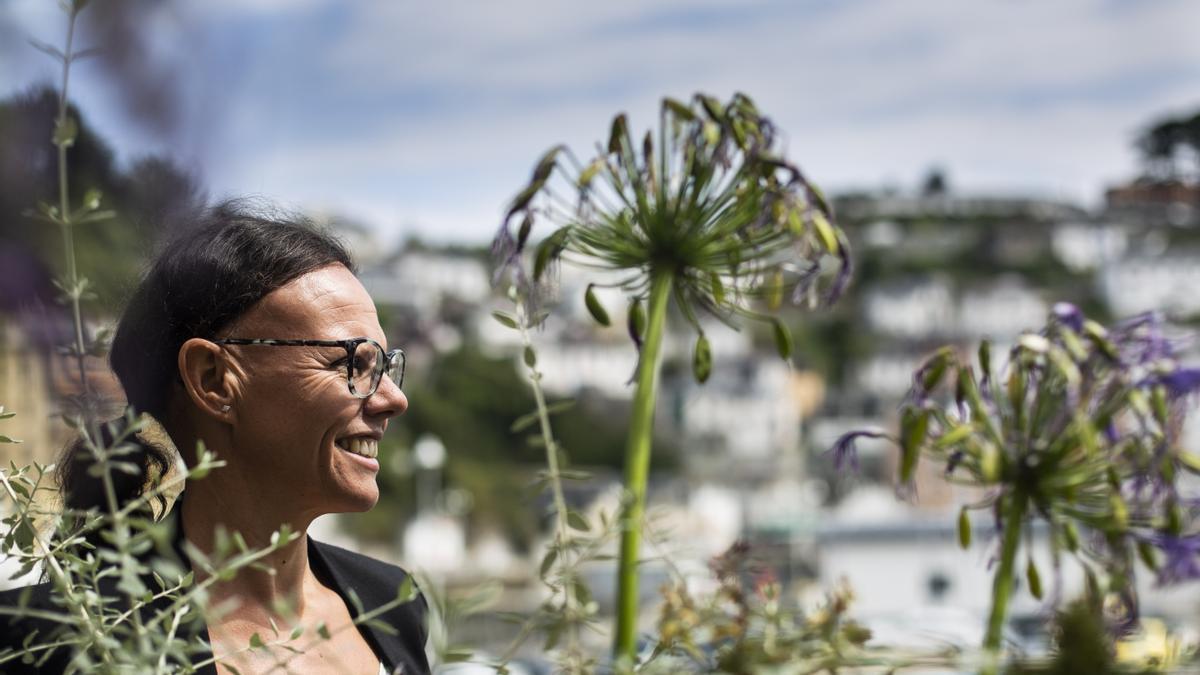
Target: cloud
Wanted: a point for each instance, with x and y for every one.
(434, 112)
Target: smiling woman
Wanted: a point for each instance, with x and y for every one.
(251, 336)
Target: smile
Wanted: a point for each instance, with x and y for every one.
(366, 447)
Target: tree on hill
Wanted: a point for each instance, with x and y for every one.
(150, 198)
(1171, 148)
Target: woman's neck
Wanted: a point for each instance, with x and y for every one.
(212, 504)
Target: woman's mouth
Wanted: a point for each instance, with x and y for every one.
(360, 445)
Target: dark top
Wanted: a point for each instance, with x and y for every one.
(375, 583)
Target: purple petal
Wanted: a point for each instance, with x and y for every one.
(1069, 315)
(805, 282)
(1181, 563)
(845, 271)
(1182, 382)
(844, 451)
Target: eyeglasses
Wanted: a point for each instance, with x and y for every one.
(366, 362)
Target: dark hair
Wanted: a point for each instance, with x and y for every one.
(232, 256)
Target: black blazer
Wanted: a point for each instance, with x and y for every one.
(374, 582)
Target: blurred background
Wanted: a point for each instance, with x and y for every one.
(986, 158)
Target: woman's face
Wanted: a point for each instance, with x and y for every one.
(296, 420)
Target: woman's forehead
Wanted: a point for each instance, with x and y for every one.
(328, 303)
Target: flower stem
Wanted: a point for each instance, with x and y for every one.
(637, 465)
(1014, 515)
(562, 529)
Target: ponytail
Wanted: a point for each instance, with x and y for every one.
(134, 464)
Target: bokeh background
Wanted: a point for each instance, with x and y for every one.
(986, 158)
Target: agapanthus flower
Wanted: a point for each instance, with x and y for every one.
(1078, 429)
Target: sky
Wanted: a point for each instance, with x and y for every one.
(425, 118)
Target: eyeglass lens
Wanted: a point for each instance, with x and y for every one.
(369, 365)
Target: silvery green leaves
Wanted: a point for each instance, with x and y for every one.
(1079, 429)
(576, 541)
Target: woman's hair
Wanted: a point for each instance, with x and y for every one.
(232, 256)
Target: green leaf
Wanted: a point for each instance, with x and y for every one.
(678, 109)
(775, 290)
(545, 165)
(323, 631)
(530, 357)
(718, 288)
(594, 307)
(256, 641)
(523, 232)
(985, 357)
(547, 250)
(589, 173)
(1120, 513)
(964, 529)
(548, 562)
(913, 426)
(825, 232)
(636, 320)
(702, 359)
(6, 439)
(1034, 579)
(523, 198)
(505, 319)
(91, 199)
(617, 134)
(65, 131)
(526, 420)
(935, 368)
(1146, 552)
(407, 590)
(577, 521)
(713, 107)
(989, 463)
(1070, 537)
(783, 339)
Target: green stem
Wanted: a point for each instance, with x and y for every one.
(1014, 515)
(560, 502)
(64, 206)
(637, 465)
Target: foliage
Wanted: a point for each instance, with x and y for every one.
(122, 601)
(728, 630)
(569, 609)
(145, 199)
(467, 384)
(1166, 142)
(707, 214)
(1079, 429)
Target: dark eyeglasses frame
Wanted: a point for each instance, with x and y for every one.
(350, 345)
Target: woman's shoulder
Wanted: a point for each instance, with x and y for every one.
(370, 585)
(374, 581)
(362, 567)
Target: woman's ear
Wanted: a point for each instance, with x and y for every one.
(207, 378)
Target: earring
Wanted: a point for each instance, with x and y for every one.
(225, 408)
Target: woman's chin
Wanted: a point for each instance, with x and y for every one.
(361, 500)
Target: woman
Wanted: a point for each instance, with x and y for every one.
(252, 336)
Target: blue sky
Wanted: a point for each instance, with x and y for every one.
(424, 118)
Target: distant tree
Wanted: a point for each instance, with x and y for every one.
(152, 197)
(935, 183)
(1169, 145)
